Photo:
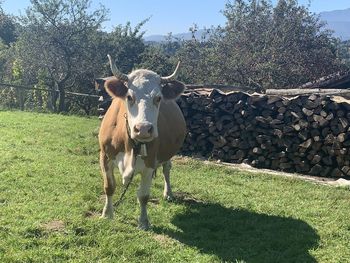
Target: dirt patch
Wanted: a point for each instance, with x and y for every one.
(54, 226)
(92, 213)
(180, 160)
(163, 240)
(154, 201)
(184, 197)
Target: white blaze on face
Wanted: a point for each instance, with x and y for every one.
(142, 102)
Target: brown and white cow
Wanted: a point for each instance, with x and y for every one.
(143, 111)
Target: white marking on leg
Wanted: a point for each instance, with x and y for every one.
(126, 165)
(143, 196)
(167, 193)
(107, 168)
(108, 210)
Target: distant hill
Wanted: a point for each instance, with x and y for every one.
(339, 22)
(182, 36)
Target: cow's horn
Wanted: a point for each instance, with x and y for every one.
(115, 71)
(172, 76)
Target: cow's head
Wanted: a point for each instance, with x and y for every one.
(142, 91)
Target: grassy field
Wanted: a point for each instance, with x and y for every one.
(51, 197)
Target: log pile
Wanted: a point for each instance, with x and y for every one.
(307, 134)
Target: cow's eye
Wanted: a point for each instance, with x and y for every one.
(157, 100)
(130, 99)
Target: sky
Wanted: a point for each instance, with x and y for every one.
(175, 16)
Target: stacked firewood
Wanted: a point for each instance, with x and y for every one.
(307, 134)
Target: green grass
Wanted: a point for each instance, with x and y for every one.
(51, 198)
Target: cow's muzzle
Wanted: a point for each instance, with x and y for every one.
(143, 132)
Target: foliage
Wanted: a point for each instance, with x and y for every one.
(344, 52)
(7, 95)
(127, 45)
(263, 46)
(58, 36)
(199, 65)
(59, 45)
(8, 35)
(3, 59)
(50, 209)
(9, 98)
(7, 28)
(39, 99)
(155, 58)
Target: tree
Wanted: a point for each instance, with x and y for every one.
(59, 37)
(283, 46)
(10, 97)
(3, 59)
(344, 52)
(127, 45)
(197, 57)
(154, 58)
(7, 36)
(262, 46)
(7, 28)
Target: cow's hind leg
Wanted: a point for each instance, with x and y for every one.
(107, 167)
(167, 193)
(143, 196)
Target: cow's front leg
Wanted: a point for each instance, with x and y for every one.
(127, 169)
(168, 194)
(107, 167)
(143, 196)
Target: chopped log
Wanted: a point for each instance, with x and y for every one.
(320, 120)
(295, 92)
(344, 122)
(346, 170)
(316, 159)
(285, 166)
(316, 170)
(257, 150)
(307, 112)
(297, 115)
(326, 171)
(337, 173)
(330, 116)
(306, 144)
(341, 137)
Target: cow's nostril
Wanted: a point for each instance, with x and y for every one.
(136, 129)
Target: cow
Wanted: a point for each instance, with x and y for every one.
(142, 129)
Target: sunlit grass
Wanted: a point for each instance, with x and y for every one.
(51, 198)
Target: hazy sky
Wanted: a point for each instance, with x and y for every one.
(171, 15)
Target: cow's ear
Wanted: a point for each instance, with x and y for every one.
(99, 83)
(100, 86)
(116, 87)
(172, 89)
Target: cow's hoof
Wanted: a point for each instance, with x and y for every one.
(107, 214)
(126, 180)
(145, 225)
(110, 217)
(169, 198)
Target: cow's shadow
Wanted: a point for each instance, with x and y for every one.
(235, 234)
